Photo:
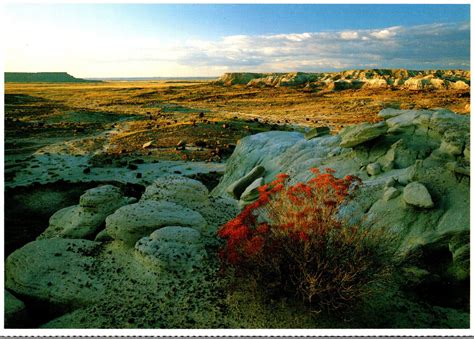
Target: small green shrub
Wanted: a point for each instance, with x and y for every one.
(290, 242)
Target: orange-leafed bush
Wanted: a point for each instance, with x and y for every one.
(291, 241)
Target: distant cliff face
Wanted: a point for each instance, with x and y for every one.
(355, 79)
(42, 77)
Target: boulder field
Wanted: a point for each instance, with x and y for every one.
(113, 261)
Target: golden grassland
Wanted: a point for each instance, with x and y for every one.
(166, 112)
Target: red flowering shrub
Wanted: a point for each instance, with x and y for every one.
(290, 241)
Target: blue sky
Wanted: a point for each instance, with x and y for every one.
(92, 40)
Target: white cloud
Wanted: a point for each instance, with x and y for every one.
(349, 35)
(424, 46)
(384, 34)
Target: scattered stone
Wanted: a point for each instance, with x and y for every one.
(390, 193)
(147, 144)
(317, 132)
(374, 169)
(390, 182)
(417, 194)
(460, 168)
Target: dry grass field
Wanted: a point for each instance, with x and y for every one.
(208, 117)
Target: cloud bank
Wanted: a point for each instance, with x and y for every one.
(430, 46)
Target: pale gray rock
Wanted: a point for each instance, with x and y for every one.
(184, 191)
(251, 192)
(410, 155)
(147, 144)
(374, 169)
(388, 113)
(58, 271)
(173, 248)
(390, 182)
(103, 236)
(359, 134)
(317, 132)
(390, 193)
(417, 194)
(132, 222)
(85, 219)
(220, 211)
(239, 186)
(453, 142)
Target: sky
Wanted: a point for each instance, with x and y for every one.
(132, 40)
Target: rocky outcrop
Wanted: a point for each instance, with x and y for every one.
(358, 134)
(132, 222)
(415, 171)
(173, 248)
(317, 132)
(186, 192)
(59, 271)
(86, 219)
(356, 79)
(152, 257)
(239, 186)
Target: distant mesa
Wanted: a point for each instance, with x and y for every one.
(356, 79)
(43, 77)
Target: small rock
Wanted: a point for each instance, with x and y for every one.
(86, 170)
(390, 182)
(147, 144)
(374, 169)
(181, 145)
(417, 194)
(390, 193)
